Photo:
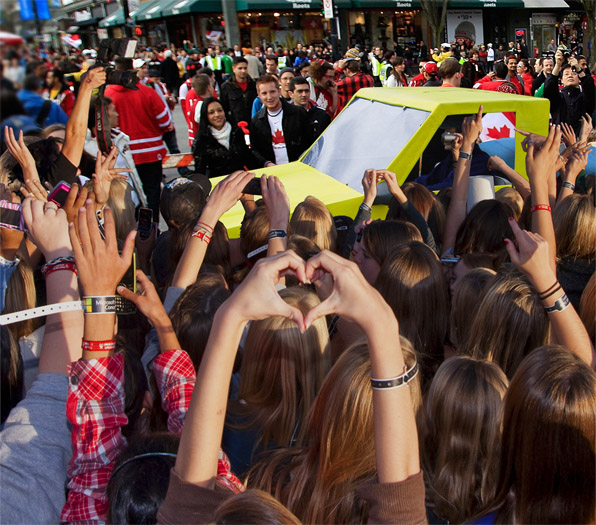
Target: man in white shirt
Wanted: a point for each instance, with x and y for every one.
(279, 132)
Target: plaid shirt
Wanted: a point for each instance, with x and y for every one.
(95, 408)
(347, 87)
(175, 376)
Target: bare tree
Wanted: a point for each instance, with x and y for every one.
(590, 31)
(436, 14)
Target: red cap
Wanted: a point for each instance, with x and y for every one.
(431, 68)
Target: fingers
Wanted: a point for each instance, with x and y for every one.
(128, 248)
(123, 291)
(522, 132)
(85, 240)
(26, 212)
(512, 251)
(479, 114)
(72, 196)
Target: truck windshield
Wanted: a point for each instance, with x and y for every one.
(367, 134)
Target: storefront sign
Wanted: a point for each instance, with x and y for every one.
(399, 3)
(543, 19)
(465, 26)
(301, 4)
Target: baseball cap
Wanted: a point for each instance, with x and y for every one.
(445, 44)
(431, 68)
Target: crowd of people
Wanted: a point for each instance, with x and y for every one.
(435, 366)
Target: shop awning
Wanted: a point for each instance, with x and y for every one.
(181, 7)
(539, 4)
(149, 10)
(390, 4)
(115, 19)
(456, 4)
(314, 5)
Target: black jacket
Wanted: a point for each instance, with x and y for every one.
(238, 103)
(319, 118)
(169, 72)
(214, 160)
(570, 104)
(297, 128)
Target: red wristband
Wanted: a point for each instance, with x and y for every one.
(202, 235)
(539, 207)
(99, 346)
(62, 266)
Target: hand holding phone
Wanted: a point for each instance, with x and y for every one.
(145, 224)
(59, 193)
(253, 187)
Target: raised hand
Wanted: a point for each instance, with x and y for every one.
(471, 129)
(147, 300)
(95, 78)
(21, 153)
(276, 202)
(369, 185)
(541, 161)
(48, 228)
(34, 189)
(586, 128)
(104, 175)
(224, 196)
(256, 298)
(99, 264)
(392, 184)
(531, 255)
(567, 134)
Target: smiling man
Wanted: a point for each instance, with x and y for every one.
(279, 132)
(570, 103)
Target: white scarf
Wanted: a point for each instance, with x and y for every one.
(223, 135)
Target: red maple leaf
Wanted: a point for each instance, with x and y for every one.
(499, 133)
(278, 137)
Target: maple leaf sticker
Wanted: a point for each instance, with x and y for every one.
(499, 133)
(278, 137)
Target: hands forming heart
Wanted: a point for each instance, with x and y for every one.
(351, 297)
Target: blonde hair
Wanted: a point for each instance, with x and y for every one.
(468, 294)
(318, 482)
(575, 227)
(313, 220)
(460, 436)
(512, 198)
(510, 323)
(282, 372)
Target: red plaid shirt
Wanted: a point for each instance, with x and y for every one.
(95, 407)
(347, 87)
(175, 376)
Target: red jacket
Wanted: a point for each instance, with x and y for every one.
(191, 104)
(144, 117)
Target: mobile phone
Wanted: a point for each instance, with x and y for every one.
(11, 217)
(124, 306)
(253, 187)
(145, 224)
(59, 193)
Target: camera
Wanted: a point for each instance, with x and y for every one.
(566, 54)
(122, 47)
(448, 139)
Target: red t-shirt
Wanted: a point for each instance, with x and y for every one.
(243, 85)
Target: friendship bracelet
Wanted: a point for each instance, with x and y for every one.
(546, 296)
(395, 382)
(540, 294)
(99, 346)
(562, 303)
(568, 185)
(277, 234)
(199, 223)
(540, 207)
(106, 304)
(202, 235)
(58, 267)
(55, 262)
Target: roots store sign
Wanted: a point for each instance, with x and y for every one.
(304, 4)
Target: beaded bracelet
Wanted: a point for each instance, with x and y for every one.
(395, 382)
(99, 346)
(540, 207)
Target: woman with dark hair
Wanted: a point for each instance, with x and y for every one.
(397, 77)
(220, 147)
(58, 91)
(525, 71)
